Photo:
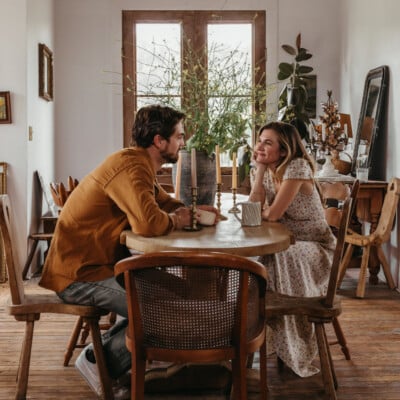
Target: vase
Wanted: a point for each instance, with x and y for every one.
(328, 169)
(206, 179)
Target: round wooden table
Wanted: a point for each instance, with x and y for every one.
(227, 236)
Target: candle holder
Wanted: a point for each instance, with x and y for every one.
(234, 209)
(219, 190)
(193, 221)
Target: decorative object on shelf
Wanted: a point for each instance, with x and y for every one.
(329, 139)
(328, 168)
(45, 72)
(5, 108)
(293, 99)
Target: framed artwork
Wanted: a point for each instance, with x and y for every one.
(45, 72)
(5, 108)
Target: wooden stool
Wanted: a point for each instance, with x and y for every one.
(36, 237)
(83, 329)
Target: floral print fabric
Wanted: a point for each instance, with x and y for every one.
(301, 270)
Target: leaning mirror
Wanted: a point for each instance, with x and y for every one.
(370, 122)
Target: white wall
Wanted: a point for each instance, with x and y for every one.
(13, 33)
(371, 38)
(40, 114)
(88, 42)
(23, 24)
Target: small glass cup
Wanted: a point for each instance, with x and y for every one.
(362, 169)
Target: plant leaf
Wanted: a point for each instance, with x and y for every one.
(305, 69)
(289, 49)
(303, 56)
(298, 41)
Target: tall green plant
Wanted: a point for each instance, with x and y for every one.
(293, 97)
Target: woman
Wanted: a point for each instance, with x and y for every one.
(283, 180)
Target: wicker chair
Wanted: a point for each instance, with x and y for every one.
(194, 307)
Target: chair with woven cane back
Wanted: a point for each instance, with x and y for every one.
(29, 307)
(187, 306)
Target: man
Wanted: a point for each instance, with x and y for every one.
(119, 194)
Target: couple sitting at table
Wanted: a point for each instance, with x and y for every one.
(123, 192)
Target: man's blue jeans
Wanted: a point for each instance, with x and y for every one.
(109, 295)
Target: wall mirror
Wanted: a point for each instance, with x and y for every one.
(373, 108)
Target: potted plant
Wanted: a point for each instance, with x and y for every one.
(293, 97)
(219, 101)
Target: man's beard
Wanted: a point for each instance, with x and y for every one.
(169, 157)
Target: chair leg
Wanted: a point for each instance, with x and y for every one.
(385, 267)
(340, 338)
(326, 369)
(30, 258)
(100, 358)
(239, 378)
(332, 367)
(138, 371)
(263, 371)
(25, 360)
(345, 262)
(72, 343)
(362, 280)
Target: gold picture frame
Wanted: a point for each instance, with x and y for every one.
(45, 72)
(5, 108)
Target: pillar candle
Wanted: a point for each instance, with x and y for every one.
(323, 132)
(345, 130)
(234, 172)
(218, 164)
(193, 168)
(178, 177)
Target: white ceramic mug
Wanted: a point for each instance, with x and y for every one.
(251, 213)
(206, 217)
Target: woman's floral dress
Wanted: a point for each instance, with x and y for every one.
(301, 270)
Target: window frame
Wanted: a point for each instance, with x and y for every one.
(194, 26)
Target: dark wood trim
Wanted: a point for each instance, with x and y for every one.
(194, 25)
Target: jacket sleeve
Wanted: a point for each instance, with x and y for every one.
(133, 191)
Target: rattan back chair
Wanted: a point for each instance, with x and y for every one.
(197, 307)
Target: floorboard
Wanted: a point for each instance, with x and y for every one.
(371, 326)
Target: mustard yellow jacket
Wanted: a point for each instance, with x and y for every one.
(119, 194)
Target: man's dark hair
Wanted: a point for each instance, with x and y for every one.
(154, 120)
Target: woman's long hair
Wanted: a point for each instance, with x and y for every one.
(290, 142)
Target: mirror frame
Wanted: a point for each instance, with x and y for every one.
(383, 73)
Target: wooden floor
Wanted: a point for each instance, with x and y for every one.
(371, 326)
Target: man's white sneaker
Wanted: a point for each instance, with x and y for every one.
(89, 371)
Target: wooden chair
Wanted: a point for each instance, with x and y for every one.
(195, 307)
(28, 308)
(80, 334)
(319, 310)
(375, 239)
(340, 192)
(60, 194)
